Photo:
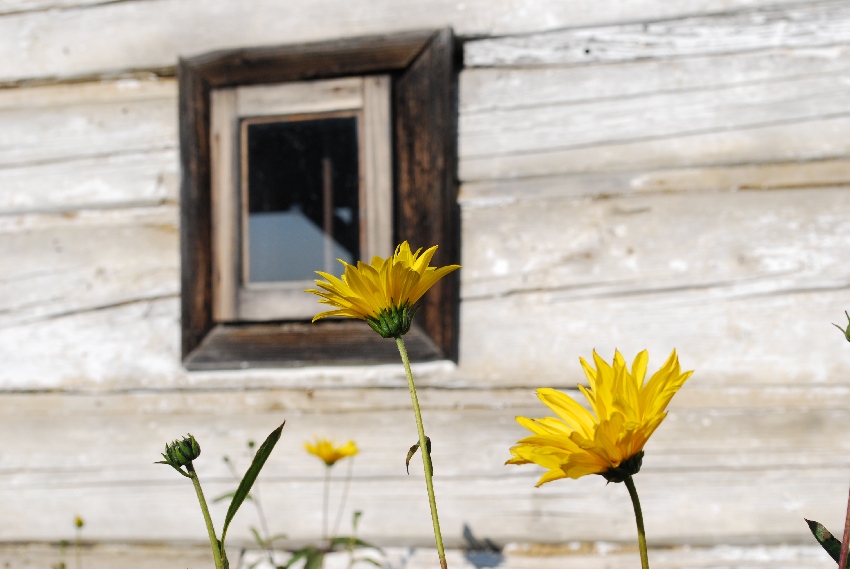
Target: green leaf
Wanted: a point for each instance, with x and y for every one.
(349, 541)
(258, 538)
(367, 560)
(413, 450)
(298, 555)
(229, 495)
(830, 543)
(251, 476)
(314, 560)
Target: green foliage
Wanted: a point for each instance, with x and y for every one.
(413, 450)
(830, 543)
(845, 331)
(250, 477)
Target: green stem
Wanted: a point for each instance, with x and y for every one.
(325, 500)
(423, 449)
(349, 471)
(77, 550)
(644, 558)
(214, 543)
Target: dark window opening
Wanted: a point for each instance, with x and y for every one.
(303, 194)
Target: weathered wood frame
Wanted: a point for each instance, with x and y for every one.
(423, 67)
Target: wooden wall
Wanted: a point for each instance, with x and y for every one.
(634, 174)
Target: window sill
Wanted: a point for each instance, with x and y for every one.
(293, 344)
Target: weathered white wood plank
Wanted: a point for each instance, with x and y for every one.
(730, 245)
(803, 141)
(652, 116)
(669, 251)
(747, 284)
(136, 346)
(111, 181)
(65, 263)
(105, 556)
(90, 461)
(793, 175)
(528, 339)
(78, 121)
(501, 88)
(15, 6)
(749, 339)
(577, 555)
(812, 24)
(153, 33)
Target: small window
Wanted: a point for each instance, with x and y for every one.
(294, 156)
(301, 177)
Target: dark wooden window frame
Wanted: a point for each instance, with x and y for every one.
(423, 67)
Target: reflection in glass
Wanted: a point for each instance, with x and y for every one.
(303, 197)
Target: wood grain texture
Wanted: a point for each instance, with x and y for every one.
(752, 300)
(741, 243)
(425, 161)
(195, 209)
(748, 177)
(752, 338)
(652, 117)
(808, 140)
(320, 60)
(810, 24)
(484, 90)
(104, 182)
(69, 263)
(681, 266)
(17, 6)
(697, 484)
(298, 344)
(84, 121)
(154, 33)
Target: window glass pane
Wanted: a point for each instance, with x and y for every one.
(303, 192)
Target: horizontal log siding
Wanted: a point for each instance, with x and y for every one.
(682, 183)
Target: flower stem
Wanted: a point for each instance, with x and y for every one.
(325, 500)
(77, 550)
(423, 448)
(845, 541)
(342, 500)
(214, 544)
(644, 558)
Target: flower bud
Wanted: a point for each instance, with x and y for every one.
(181, 453)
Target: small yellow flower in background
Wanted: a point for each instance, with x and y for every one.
(325, 449)
(384, 292)
(609, 441)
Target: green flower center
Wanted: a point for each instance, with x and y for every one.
(393, 322)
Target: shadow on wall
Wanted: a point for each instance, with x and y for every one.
(481, 553)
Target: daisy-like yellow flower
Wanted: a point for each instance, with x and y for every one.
(609, 441)
(325, 449)
(383, 293)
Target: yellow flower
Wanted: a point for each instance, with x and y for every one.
(325, 449)
(384, 292)
(609, 441)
